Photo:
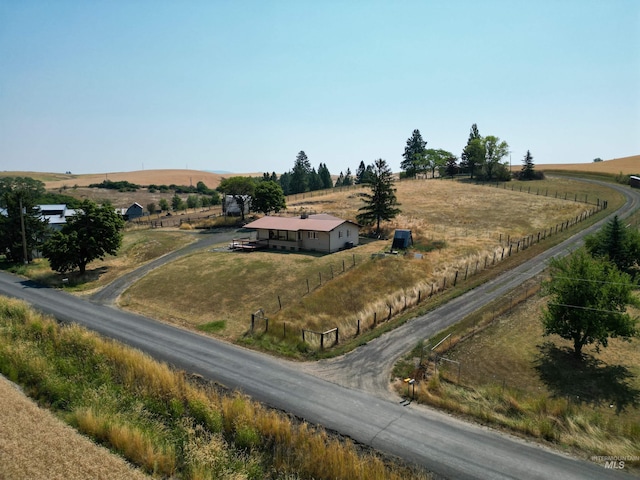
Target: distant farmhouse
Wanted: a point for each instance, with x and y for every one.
(56, 214)
(132, 212)
(317, 233)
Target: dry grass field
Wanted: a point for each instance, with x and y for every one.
(223, 288)
(35, 445)
(626, 165)
(513, 376)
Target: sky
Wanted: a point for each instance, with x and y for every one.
(243, 86)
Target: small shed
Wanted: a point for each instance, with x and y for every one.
(402, 239)
(634, 181)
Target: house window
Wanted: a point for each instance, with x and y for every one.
(312, 234)
(348, 232)
(340, 233)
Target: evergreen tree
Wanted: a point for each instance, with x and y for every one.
(414, 155)
(527, 172)
(363, 173)
(451, 167)
(339, 180)
(300, 174)
(381, 204)
(348, 179)
(315, 182)
(473, 154)
(285, 182)
(325, 176)
(619, 244)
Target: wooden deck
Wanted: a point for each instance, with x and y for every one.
(248, 244)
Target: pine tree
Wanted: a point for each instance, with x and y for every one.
(381, 204)
(473, 154)
(527, 172)
(414, 155)
(325, 176)
(300, 174)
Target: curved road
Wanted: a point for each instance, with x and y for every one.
(445, 445)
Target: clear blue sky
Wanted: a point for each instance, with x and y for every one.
(243, 86)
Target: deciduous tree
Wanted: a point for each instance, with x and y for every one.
(494, 151)
(91, 234)
(22, 229)
(240, 188)
(588, 301)
(268, 197)
(436, 159)
(381, 204)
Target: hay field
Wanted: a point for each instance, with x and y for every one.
(626, 165)
(36, 445)
(225, 287)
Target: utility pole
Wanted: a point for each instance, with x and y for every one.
(24, 235)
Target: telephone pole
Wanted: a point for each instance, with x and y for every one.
(24, 235)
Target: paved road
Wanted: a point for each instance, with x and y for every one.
(110, 293)
(445, 445)
(369, 367)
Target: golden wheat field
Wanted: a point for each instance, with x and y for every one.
(36, 445)
(626, 165)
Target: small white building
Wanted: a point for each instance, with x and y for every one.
(230, 205)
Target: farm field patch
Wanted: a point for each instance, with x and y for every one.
(469, 224)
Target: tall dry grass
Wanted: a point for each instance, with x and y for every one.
(162, 422)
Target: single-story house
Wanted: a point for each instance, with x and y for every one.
(319, 233)
(56, 214)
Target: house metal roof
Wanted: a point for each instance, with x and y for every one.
(318, 223)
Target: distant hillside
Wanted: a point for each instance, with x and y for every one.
(626, 165)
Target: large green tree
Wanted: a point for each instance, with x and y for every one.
(494, 151)
(299, 182)
(414, 155)
(22, 229)
(436, 159)
(618, 243)
(240, 188)
(92, 233)
(587, 303)
(381, 204)
(325, 176)
(473, 153)
(363, 173)
(268, 197)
